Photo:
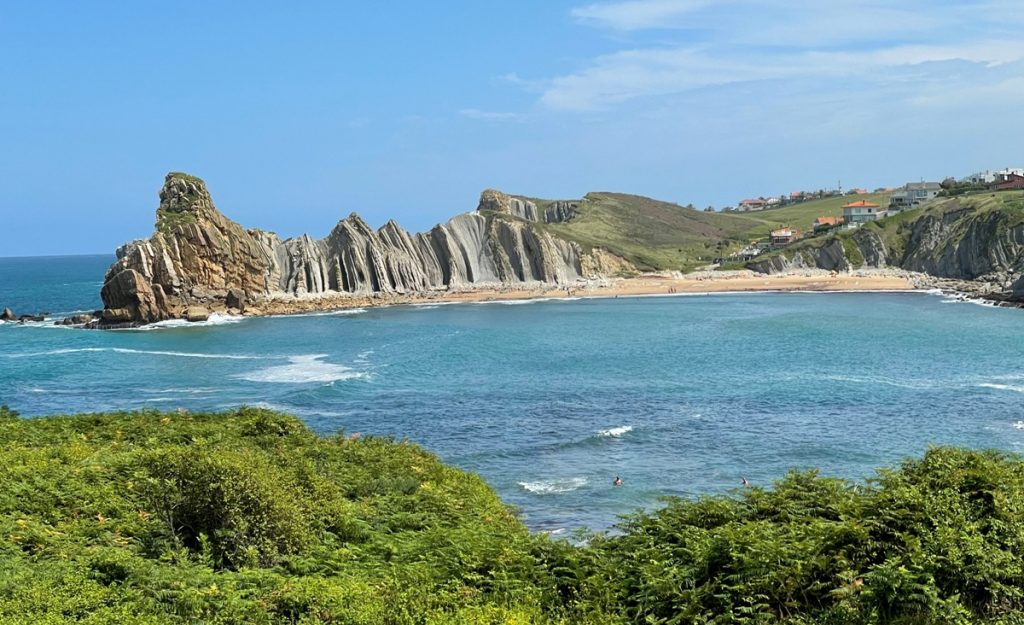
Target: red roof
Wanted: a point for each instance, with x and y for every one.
(828, 221)
(861, 204)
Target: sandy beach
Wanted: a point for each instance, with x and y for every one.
(648, 284)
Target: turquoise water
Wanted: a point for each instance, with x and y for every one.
(550, 400)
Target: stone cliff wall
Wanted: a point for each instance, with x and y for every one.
(198, 260)
(954, 241)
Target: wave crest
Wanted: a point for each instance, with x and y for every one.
(554, 487)
(616, 432)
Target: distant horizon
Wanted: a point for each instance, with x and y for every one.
(298, 116)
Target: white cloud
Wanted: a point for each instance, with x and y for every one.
(737, 41)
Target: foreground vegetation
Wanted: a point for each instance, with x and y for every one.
(248, 517)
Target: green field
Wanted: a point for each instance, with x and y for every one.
(656, 235)
(247, 517)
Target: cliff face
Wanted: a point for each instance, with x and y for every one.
(953, 241)
(198, 260)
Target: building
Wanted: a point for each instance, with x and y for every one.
(753, 204)
(825, 223)
(988, 177)
(912, 194)
(784, 236)
(1008, 182)
(861, 211)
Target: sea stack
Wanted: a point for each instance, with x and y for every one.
(199, 262)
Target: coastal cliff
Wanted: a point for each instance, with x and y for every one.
(978, 240)
(198, 261)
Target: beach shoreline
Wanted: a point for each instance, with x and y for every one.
(698, 283)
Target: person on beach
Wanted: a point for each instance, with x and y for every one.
(617, 481)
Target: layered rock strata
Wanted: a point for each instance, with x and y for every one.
(952, 242)
(198, 261)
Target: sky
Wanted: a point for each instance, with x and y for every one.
(297, 114)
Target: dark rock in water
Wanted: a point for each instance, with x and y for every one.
(7, 315)
(197, 313)
(24, 318)
(76, 320)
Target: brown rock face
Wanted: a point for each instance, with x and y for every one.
(199, 260)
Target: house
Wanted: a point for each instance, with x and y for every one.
(753, 204)
(784, 236)
(988, 177)
(861, 211)
(825, 223)
(912, 194)
(1007, 182)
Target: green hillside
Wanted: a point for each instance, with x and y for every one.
(656, 235)
(247, 517)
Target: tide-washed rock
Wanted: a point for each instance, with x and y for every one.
(197, 313)
(35, 318)
(76, 320)
(197, 256)
(7, 315)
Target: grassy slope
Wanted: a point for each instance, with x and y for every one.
(661, 235)
(894, 235)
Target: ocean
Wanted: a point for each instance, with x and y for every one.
(551, 400)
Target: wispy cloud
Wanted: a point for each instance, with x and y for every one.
(637, 14)
(499, 116)
(739, 41)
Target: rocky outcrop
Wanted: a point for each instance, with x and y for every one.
(526, 209)
(952, 241)
(7, 315)
(199, 262)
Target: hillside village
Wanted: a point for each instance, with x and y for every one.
(857, 212)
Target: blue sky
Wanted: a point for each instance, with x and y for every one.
(299, 115)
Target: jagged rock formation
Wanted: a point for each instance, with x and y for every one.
(198, 261)
(952, 240)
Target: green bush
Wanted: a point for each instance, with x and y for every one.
(247, 517)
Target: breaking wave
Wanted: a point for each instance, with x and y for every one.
(616, 432)
(554, 487)
(125, 350)
(303, 370)
(1003, 387)
(215, 319)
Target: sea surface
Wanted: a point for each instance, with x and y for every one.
(550, 400)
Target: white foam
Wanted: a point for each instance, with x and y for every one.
(124, 350)
(330, 313)
(1019, 425)
(509, 302)
(616, 432)
(554, 487)
(215, 319)
(303, 370)
(876, 380)
(1003, 387)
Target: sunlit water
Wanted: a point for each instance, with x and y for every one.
(550, 400)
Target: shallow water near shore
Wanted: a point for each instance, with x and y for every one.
(550, 400)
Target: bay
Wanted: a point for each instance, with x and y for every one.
(550, 400)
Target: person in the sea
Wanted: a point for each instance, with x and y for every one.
(617, 481)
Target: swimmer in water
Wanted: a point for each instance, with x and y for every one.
(617, 481)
